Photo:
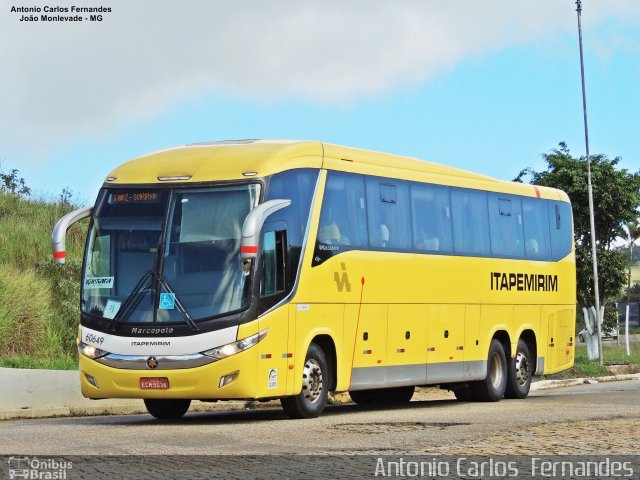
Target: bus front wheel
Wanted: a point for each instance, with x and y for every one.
(492, 388)
(310, 402)
(167, 409)
(519, 373)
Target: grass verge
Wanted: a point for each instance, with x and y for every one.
(583, 367)
(27, 361)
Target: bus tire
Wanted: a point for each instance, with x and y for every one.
(492, 388)
(519, 374)
(362, 397)
(383, 395)
(164, 409)
(310, 402)
(396, 394)
(463, 394)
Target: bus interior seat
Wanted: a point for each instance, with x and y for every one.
(532, 246)
(384, 235)
(432, 244)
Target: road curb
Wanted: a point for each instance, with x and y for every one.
(107, 407)
(31, 393)
(569, 382)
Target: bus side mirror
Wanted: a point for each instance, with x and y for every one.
(253, 225)
(59, 233)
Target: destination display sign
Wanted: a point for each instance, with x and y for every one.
(135, 197)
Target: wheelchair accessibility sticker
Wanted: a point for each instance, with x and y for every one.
(167, 301)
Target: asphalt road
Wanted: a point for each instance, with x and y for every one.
(598, 419)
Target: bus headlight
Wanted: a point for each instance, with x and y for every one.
(229, 349)
(90, 351)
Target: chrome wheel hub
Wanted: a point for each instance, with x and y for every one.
(522, 369)
(311, 381)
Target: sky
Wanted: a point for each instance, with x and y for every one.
(484, 85)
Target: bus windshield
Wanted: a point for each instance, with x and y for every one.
(192, 270)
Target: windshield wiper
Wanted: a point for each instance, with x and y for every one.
(187, 318)
(131, 302)
(136, 296)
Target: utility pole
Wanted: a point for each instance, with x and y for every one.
(594, 255)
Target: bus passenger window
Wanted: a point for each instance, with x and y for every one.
(470, 222)
(505, 222)
(431, 218)
(388, 212)
(561, 229)
(536, 229)
(343, 220)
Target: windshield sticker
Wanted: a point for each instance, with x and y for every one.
(98, 282)
(167, 301)
(273, 378)
(111, 309)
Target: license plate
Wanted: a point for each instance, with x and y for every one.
(154, 383)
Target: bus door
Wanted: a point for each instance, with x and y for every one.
(273, 350)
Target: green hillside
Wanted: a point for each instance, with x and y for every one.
(38, 299)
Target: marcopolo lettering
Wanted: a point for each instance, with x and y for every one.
(152, 331)
(524, 282)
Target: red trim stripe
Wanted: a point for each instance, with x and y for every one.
(61, 254)
(537, 191)
(249, 249)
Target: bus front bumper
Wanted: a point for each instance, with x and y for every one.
(99, 381)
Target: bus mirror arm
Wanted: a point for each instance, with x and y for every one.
(253, 225)
(59, 233)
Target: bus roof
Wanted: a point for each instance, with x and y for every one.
(239, 159)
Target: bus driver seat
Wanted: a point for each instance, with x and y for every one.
(329, 234)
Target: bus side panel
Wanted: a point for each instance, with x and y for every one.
(445, 347)
(312, 320)
(271, 375)
(475, 361)
(495, 318)
(560, 327)
(527, 317)
(406, 344)
(370, 348)
(291, 346)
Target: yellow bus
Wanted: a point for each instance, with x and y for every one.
(286, 270)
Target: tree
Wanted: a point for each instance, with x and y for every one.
(12, 184)
(616, 199)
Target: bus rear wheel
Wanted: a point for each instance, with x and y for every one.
(382, 396)
(463, 394)
(310, 402)
(167, 409)
(519, 374)
(492, 388)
